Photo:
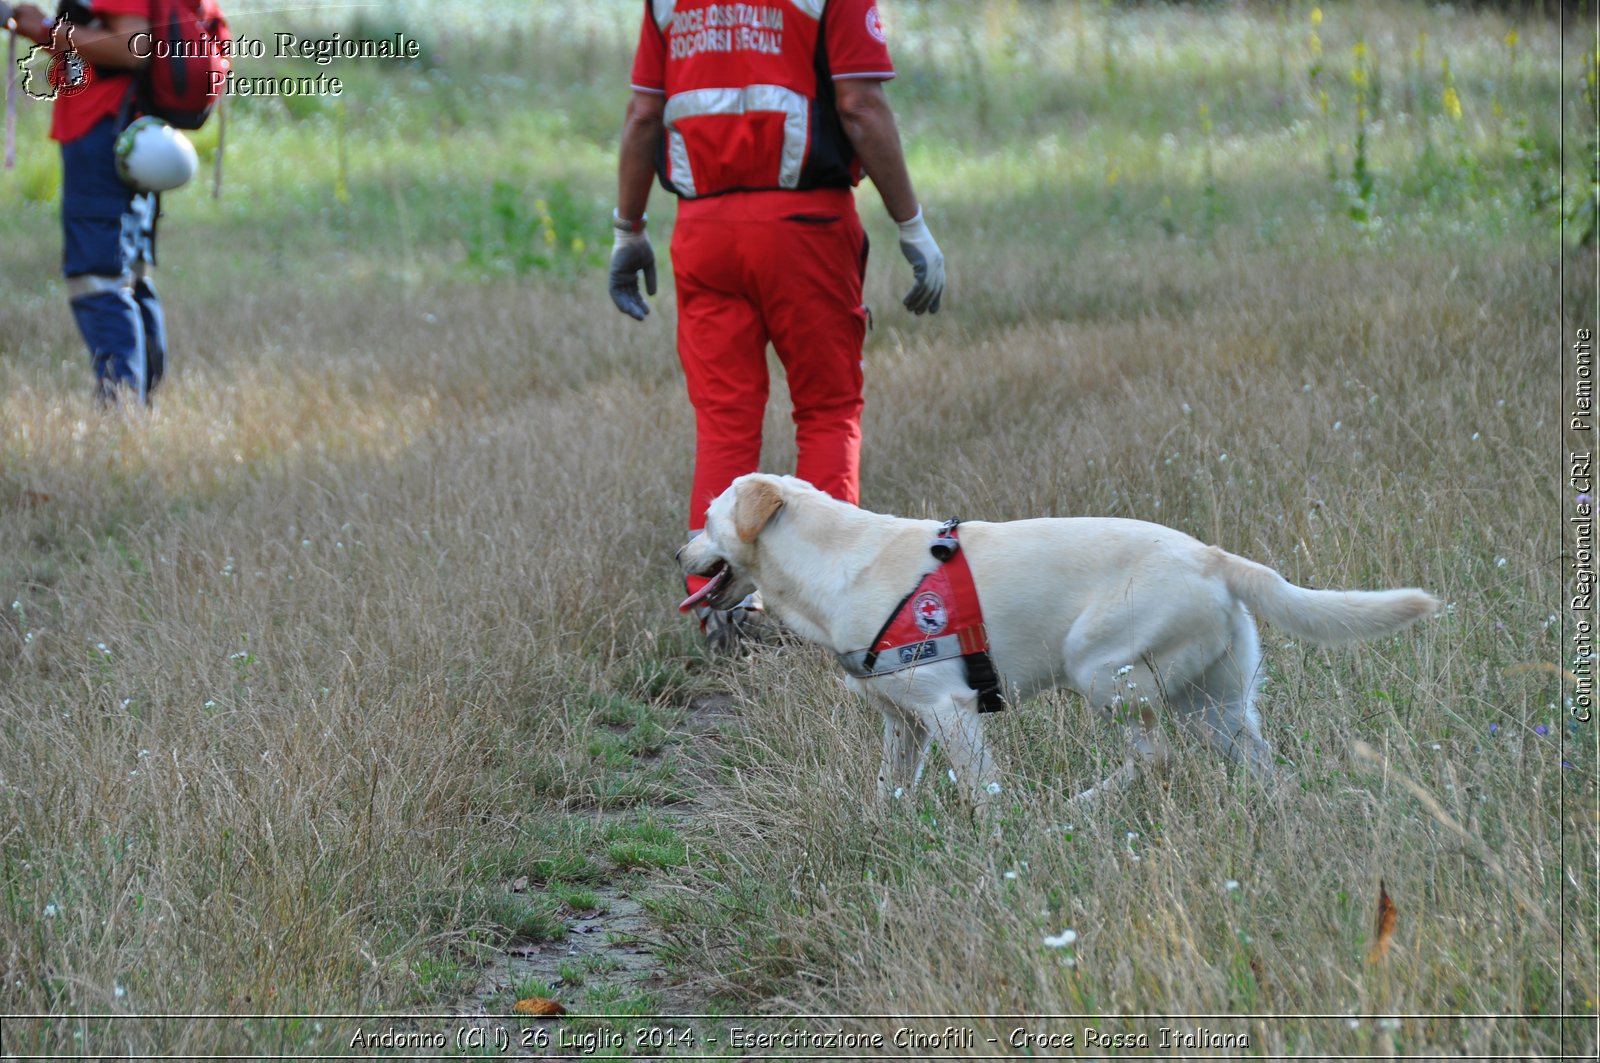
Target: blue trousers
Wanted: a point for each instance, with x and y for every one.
(108, 252)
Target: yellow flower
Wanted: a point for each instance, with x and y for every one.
(1358, 50)
(1452, 102)
(1511, 39)
(1316, 16)
(1322, 102)
(1113, 175)
(577, 245)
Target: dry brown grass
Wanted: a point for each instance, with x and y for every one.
(361, 578)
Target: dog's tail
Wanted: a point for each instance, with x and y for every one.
(1324, 617)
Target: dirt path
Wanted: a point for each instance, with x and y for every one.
(616, 944)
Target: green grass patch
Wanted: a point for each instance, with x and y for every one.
(646, 842)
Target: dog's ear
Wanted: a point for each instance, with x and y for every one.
(755, 504)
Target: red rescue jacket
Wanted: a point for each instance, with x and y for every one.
(750, 100)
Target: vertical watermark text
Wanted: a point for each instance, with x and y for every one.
(1581, 520)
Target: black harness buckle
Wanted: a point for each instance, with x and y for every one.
(945, 544)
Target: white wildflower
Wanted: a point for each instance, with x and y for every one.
(1063, 940)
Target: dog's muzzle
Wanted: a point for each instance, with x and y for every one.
(716, 579)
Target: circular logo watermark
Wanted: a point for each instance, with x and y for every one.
(69, 75)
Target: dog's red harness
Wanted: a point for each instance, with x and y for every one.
(940, 619)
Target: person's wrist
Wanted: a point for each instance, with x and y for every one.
(914, 225)
(629, 226)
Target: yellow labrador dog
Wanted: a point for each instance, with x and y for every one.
(1131, 615)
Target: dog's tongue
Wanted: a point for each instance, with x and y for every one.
(710, 585)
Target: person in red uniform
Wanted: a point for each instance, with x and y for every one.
(761, 117)
(108, 229)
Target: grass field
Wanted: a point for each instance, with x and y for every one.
(350, 680)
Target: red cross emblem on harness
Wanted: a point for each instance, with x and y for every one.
(930, 613)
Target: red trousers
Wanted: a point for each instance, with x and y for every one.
(784, 267)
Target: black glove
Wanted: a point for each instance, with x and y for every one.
(630, 253)
(927, 266)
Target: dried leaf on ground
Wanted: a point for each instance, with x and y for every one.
(1383, 925)
(539, 1006)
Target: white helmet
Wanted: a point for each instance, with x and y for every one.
(154, 157)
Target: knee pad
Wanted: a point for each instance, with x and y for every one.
(87, 284)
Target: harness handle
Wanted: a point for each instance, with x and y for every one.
(945, 544)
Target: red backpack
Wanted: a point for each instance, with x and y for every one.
(189, 61)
